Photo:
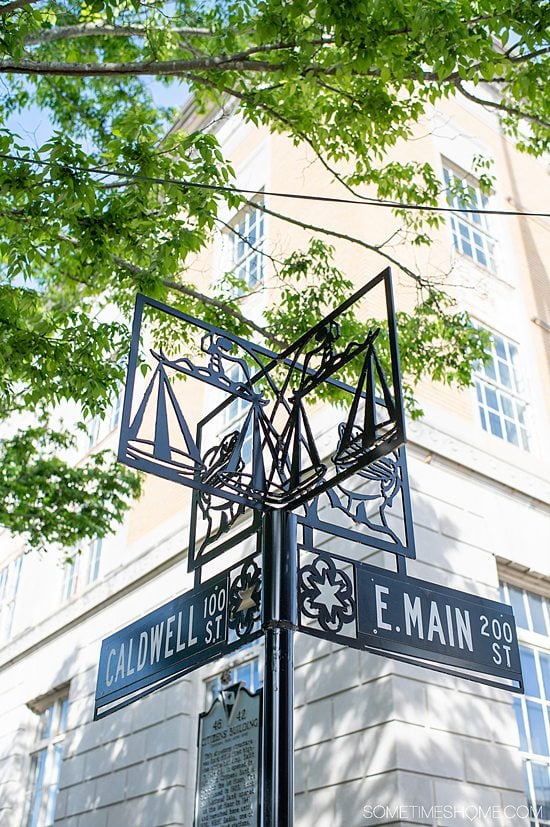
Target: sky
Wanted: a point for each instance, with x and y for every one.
(35, 127)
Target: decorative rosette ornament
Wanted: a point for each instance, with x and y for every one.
(326, 595)
(245, 599)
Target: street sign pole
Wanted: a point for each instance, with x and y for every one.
(279, 620)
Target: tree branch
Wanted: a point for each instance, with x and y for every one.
(165, 68)
(288, 124)
(344, 237)
(502, 107)
(100, 30)
(5, 8)
(544, 50)
(211, 301)
(225, 308)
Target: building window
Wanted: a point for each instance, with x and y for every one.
(472, 234)
(245, 248)
(247, 672)
(499, 393)
(94, 559)
(46, 758)
(101, 426)
(9, 586)
(70, 577)
(83, 569)
(532, 613)
(234, 414)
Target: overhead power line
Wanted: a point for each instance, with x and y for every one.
(365, 201)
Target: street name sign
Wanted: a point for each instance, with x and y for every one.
(388, 613)
(195, 628)
(228, 763)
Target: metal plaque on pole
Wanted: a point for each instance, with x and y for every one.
(229, 760)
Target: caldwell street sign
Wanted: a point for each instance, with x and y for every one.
(382, 611)
(205, 623)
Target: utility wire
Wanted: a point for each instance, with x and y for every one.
(365, 202)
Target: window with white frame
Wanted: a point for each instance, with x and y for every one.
(532, 614)
(94, 559)
(247, 672)
(472, 232)
(9, 586)
(83, 568)
(101, 426)
(46, 757)
(502, 408)
(70, 577)
(244, 246)
(235, 412)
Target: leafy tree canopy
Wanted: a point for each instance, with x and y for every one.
(86, 221)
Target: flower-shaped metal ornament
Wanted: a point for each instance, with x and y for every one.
(245, 599)
(326, 595)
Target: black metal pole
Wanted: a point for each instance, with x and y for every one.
(279, 619)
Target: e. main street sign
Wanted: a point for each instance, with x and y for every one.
(423, 623)
(201, 625)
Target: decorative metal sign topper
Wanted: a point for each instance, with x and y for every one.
(256, 448)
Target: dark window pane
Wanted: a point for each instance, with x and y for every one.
(541, 782)
(545, 669)
(505, 377)
(516, 601)
(467, 249)
(45, 723)
(521, 726)
(490, 369)
(37, 770)
(480, 256)
(529, 672)
(496, 427)
(500, 347)
(507, 406)
(537, 613)
(511, 433)
(464, 232)
(483, 419)
(492, 399)
(535, 716)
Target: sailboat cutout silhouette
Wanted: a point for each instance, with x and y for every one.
(159, 431)
(243, 470)
(363, 429)
(297, 463)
